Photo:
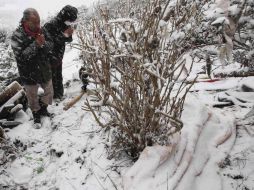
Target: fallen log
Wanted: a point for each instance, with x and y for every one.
(234, 74)
(12, 100)
(9, 124)
(246, 88)
(5, 111)
(9, 111)
(1, 134)
(9, 92)
(223, 104)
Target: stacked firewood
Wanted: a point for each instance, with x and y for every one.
(12, 100)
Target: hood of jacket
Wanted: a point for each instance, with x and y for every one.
(68, 13)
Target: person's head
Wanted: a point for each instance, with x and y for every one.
(68, 13)
(32, 19)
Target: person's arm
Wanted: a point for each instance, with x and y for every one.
(68, 39)
(21, 52)
(57, 35)
(49, 44)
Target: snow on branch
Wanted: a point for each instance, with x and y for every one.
(121, 20)
(136, 67)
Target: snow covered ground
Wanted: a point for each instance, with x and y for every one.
(69, 152)
(214, 150)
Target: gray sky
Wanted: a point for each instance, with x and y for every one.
(11, 10)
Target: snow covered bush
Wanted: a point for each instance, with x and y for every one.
(8, 66)
(228, 26)
(220, 29)
(245, 37)
(3, 35)
(234, 26)
(137, 63)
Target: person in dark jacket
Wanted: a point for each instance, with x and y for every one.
(31, 47)
(61, 31)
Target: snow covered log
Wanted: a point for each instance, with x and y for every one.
(9, 124)
(12, 100)
(247, 88)
(193, 163)
(234, 74)
(1, 134)
(239, 101)
(9, 92)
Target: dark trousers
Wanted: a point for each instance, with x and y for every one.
(57, 80)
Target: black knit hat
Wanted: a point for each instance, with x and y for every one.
(68, 13)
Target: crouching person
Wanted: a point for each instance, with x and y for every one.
(31, 47)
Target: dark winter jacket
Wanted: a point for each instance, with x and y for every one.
(55, 28)
(32, 60)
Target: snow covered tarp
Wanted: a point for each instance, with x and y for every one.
(193, 160)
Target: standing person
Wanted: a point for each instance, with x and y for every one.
(31, 48)
(61, 31)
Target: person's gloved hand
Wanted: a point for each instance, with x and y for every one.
(68, 32)
(40, 40)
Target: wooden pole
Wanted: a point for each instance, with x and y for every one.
(74, 101)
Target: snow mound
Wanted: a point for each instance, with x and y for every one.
(193, 161)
